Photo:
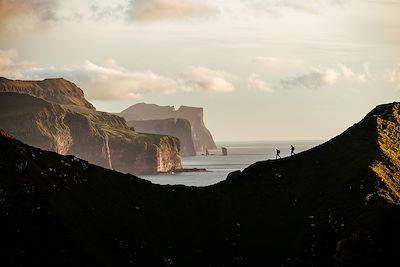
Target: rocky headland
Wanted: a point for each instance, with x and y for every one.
(54, 115)
(202, 138)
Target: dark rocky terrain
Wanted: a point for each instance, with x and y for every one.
(334, 205)
(54, 115)
(202, 137)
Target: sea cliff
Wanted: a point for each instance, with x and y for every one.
(54, 115)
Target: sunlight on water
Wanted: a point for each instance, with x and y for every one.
(240, 156)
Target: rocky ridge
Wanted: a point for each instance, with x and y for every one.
(179, 128)
(54, 115)
(201, 136)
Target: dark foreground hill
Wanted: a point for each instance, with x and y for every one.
(334, 205)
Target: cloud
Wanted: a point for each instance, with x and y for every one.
(349, 74)
(42, 10)
(100, 10)
(277, 63)
(312, 80)
(254, 82)
(275, 7)
(8, 67)
(108, 81)
(111, 82)
(316, 78)
(204, 79)
(153, 10)
(393, 75)
(347, 71)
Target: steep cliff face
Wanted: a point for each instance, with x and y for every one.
(78, 129)
(201, 136)
(35, 121)
(179, 128)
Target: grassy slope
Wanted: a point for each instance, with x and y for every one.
(309, 209)
(38, 122)
(107, 122)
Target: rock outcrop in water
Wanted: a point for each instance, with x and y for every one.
(333, 205)
(179, 128)
(202, 137)
(54, 115)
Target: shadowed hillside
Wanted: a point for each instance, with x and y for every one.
(334, 205)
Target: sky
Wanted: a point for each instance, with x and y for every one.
(261, 69)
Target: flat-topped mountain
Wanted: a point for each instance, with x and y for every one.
(179, 128)
(334, 205)
(202, 137)
(58, 90)
(54, 115)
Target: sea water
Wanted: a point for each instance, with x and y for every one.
(240, 156)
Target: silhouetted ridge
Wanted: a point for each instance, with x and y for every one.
(5, 134)
(333, 205)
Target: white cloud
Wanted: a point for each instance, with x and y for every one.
(152, 10)
(313, 80)
(275, 7)
(255, 82)
(8, 66)
(204, 79)
(109, 81)
(347, 71)
(318, 78)
(277, 63)
(393, 75)
(349, 74)
(43, 10)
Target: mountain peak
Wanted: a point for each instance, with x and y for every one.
(57, 90)
(5, 134)
(385, 111)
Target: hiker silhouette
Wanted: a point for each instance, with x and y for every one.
(278, 152)
(292, 150)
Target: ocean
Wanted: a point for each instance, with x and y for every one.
(240, 155)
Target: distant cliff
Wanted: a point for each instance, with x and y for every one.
(179, 128)
(202, 137)
(54, 90)
(54, 115)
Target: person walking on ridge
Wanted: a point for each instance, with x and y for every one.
(292, 150)
(278, 152)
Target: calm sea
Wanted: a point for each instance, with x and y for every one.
(240, 156)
